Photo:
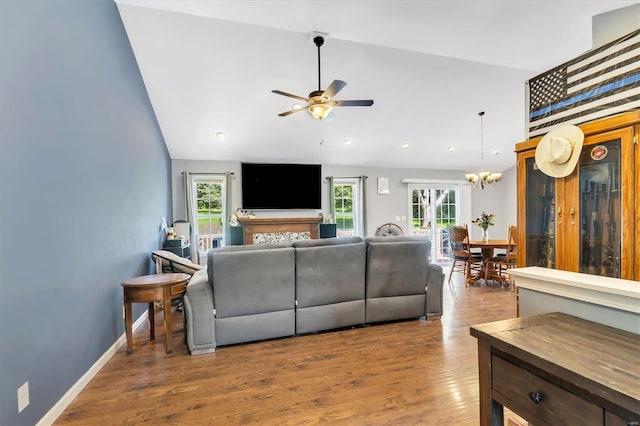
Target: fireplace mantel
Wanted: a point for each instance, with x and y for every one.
(279, 225)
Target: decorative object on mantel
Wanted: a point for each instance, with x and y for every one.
(558, 152)
(482, 178)
(244, 213)
(233, 221)
(327, 218)
(484, 221)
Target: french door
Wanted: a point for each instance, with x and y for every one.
(434, 207)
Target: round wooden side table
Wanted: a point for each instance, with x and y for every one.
(149, 289)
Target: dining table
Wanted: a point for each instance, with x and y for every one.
(488, 247)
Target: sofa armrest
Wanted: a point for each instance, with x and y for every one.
(435, 281)
(199, 314)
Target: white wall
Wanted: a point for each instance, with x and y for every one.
(500, 200)
(612, 25)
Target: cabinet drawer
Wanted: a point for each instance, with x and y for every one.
(177, 290)
(516, 388)
(611, 419)
(143, 295)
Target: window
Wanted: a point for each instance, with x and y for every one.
(209, 195)
(347, 203)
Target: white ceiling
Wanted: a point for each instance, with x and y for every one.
(430, 66)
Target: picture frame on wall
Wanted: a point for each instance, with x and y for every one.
(383, 186)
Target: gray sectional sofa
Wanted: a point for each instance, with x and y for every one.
(256, 292)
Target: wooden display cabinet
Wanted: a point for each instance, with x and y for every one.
(588, 221)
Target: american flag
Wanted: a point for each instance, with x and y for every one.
(599, 83)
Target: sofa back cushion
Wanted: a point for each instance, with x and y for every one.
(397, 265)
(252, 279)
(329, 270)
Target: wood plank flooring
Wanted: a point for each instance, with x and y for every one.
(407, 373)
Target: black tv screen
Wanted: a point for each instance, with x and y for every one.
(281, 186)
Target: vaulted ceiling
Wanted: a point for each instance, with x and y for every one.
(430, 66)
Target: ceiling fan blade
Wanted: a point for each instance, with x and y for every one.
(286, 113)
(367, 102)
(334, 88)
(280, 92)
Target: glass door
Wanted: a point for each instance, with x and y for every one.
(209, 194)
(434, 207)
(540, 245)
(600, 189)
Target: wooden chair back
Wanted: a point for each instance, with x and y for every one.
(459, 241)
(511, 247)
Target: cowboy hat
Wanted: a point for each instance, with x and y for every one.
(558, 151)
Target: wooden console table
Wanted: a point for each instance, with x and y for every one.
(279, 224)
(556, 369)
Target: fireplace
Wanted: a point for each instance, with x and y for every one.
(281, 229)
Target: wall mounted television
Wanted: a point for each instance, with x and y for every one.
(270, 186)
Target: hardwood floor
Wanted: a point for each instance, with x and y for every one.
(407, 373)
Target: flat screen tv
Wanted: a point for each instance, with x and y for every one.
(281, 186)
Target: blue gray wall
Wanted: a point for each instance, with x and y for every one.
(84, 181)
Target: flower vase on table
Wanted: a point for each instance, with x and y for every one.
(484, 222)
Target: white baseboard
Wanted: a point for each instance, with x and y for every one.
(75, 390)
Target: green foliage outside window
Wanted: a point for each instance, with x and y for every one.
(343, 197)
(209, 205)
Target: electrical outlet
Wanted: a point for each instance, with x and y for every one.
(397, 218)
(23, 397)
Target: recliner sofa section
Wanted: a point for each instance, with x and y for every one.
(330, 285)
(251, 296)
(249, 293)
(401, 282)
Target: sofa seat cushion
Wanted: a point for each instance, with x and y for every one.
(250, 328)
(327, 317)
(395, 308)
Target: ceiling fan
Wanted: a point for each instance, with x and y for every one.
(320, 102)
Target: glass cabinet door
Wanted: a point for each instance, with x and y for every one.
(540, 217)
(600, 201)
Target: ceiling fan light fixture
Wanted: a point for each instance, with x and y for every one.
(321, 102)
(319, 111)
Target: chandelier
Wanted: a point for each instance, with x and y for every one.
(482, 178)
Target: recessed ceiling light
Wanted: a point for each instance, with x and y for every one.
(220, 135)
(452, 148)
(404, 146)
(347, 141)
(296, 107)
(495, 152)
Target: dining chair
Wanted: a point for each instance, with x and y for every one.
(463, 260)
(506, 260)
